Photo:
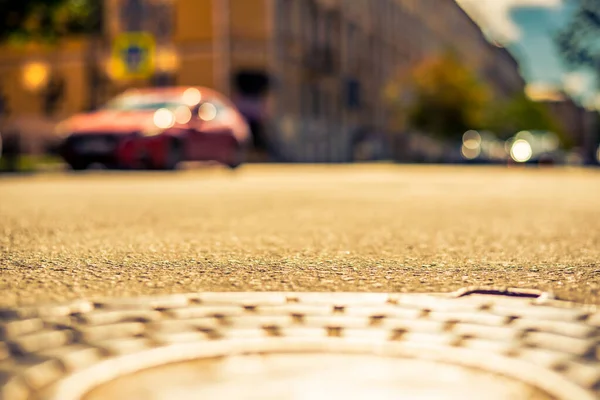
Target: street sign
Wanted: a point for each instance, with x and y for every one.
(133, 55)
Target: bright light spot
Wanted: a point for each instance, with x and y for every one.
(207, 112)
(164, 118)
(35, 75)
(183, 115)
(521, 151)
(471, 139)
(469, 153)
(192, 96)
(167, 59)
(471, 144)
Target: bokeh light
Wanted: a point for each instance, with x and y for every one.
(207, 112)
(164, 118)
(167, 60)
(192, 97)
(470, 153)
(183, 115)
(521, 151)
(35, 75)
(472, 140)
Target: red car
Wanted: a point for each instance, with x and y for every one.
(156, 128)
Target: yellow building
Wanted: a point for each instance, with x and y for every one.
(326, 61)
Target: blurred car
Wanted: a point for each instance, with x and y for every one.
(536, 147)
(482, 148)
(156, 128)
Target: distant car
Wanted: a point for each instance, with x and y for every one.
(156, 128)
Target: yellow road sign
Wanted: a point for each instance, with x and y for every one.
(133, 56)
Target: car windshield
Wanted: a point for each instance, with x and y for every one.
(142, 102)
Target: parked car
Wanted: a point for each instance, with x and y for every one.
(156, 128)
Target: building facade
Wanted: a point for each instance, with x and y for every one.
(311, 71)
(580, 124)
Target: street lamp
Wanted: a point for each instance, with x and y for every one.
(35, 75)
(166, 63)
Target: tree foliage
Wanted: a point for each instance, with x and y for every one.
(446, 98)
(47, 20)
(443, 97)
(520, 113)
(579, 41)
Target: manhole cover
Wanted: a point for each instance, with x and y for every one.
(314, 376)
(496, 344)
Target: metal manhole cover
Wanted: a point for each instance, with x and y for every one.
(314, 376)
(505, 344)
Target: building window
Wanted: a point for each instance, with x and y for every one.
(352, 94)
(351, 45)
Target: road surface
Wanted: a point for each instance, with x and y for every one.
(375, 228)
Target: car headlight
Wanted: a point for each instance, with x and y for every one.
(164, 118)
(521, 151)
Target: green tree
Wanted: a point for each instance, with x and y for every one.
(442, 97)
(579, 42)
(520, 113)
(47, 20)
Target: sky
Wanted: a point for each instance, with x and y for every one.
(526, 27)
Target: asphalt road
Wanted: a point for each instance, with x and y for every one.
(299, 228)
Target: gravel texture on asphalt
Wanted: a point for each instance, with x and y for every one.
(376, 228)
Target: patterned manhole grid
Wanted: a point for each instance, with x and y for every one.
(63, 351)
